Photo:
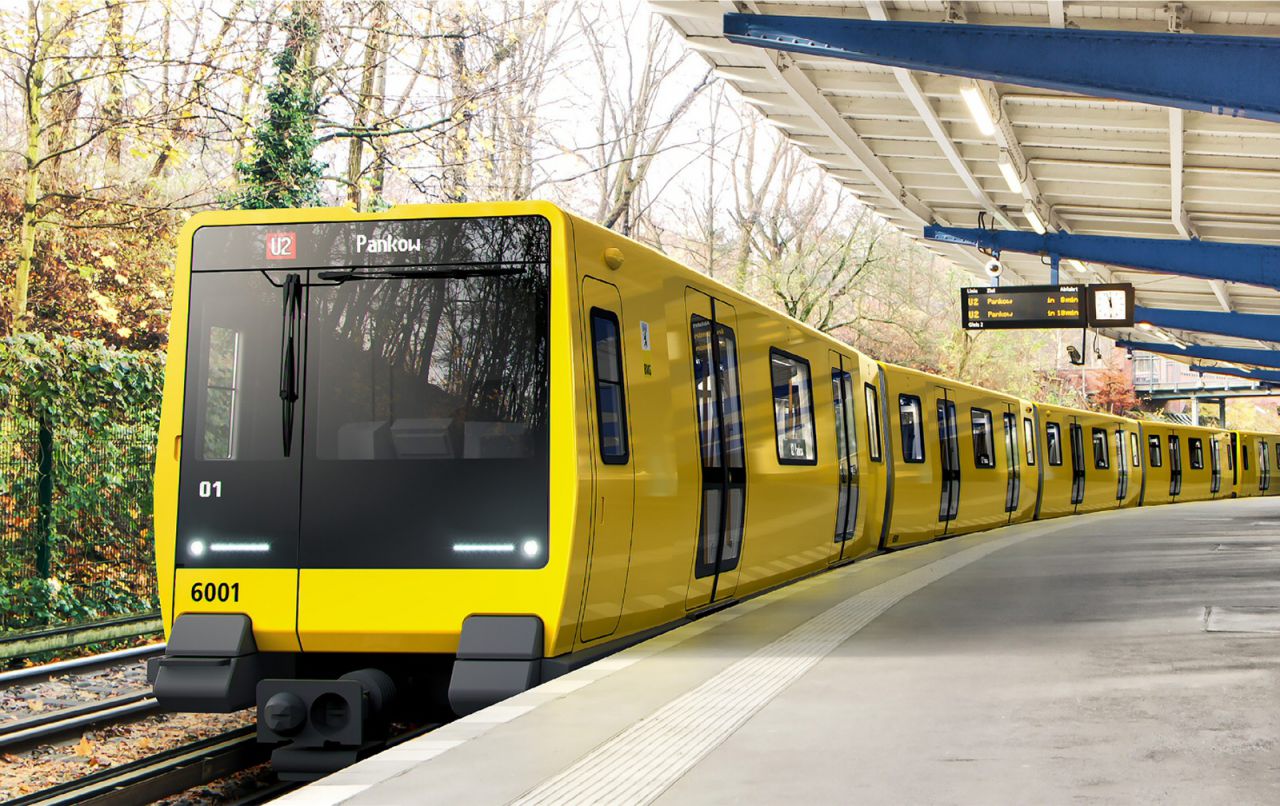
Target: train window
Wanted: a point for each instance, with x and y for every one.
(873, 422)
(984, 447)
(1053, 441)
(1244, 458)
(611, 409)
(1153, 447)
(1231, 457)
(1029, 433)
(1195, 453)
(793, 409)
(223, 383)
(912, 428)
(1135, 453)
(1101, 456)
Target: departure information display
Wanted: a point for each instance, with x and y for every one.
(1058, 306)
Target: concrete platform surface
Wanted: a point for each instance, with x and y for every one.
(1119, 657)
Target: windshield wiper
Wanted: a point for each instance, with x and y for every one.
(445, 272)
(289, 354)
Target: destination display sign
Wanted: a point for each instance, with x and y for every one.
(393, 242)
(1046, 306)
(1023, 306)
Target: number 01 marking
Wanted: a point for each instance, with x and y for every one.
(210, 489)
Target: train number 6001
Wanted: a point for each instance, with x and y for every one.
(215, 592)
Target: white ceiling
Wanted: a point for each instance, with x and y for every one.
(906, 144)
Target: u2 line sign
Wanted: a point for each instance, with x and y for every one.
(1044, 306)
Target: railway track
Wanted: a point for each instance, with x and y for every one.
(158, 776)
(57, 724)
(54, 639)
(44, 728)
(89, 663)
(174, 771)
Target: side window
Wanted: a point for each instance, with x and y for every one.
(1153, 447)
(1244, 457)
(793, 409)
(611, 412)
(984, 447)
(873, 422)
(912, 428)
(1134, 451)
(1053, 440)
(1195, 451)
(1101, 458)
(222, 390)
(1231, 457)
(1029, 434)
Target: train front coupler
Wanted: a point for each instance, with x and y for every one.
(325, 725)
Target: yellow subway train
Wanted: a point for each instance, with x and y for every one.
(453, 451)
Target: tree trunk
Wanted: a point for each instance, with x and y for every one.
(364, 102)
(113, 106)
(457, 143)
(34, 90)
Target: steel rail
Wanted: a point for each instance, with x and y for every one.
(34, 674)
(159, 776)
(58, 724)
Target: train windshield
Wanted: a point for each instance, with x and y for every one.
(368, 395)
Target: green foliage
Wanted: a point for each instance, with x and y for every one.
(86, 385)
(281, 170)
(102, 406)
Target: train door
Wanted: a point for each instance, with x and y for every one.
(949, 453)
(1077, 463)
(1122, 468)
(847, 503)
(612, 470)
(722, 511)
(1264, 465)
(240, 481)
(1215, 466)
(1175, 466)
(1013, 462)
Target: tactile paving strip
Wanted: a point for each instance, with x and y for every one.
(640, 763)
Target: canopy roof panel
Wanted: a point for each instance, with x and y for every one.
(906, 143)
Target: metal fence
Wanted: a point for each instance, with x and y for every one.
(76, 541)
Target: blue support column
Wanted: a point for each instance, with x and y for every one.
(1240, 325)
(1260, 375)
(1236, 355)
(1233, 262)
(1225, 75)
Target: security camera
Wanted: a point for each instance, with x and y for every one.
(994, 267)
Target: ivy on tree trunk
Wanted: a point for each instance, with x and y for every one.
(281, 170)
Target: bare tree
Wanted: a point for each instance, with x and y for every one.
(636, 111)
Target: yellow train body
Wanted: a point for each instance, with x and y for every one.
(825, 456)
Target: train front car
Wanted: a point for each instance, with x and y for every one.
(356, 443)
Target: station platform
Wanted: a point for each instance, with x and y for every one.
(1126, 656)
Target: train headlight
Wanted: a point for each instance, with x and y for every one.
(530, 548)
(196, 548)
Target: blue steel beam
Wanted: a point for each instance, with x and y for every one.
(1225, 75)
(1260, 375)
(1240, 325)
(1235, 355)
(1232, 262)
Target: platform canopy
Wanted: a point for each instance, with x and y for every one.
(1088, 160)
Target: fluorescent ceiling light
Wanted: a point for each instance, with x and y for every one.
(978, 109)
(1010, 173)
(1147, 326)
(1078, 266)
(1034, 218)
